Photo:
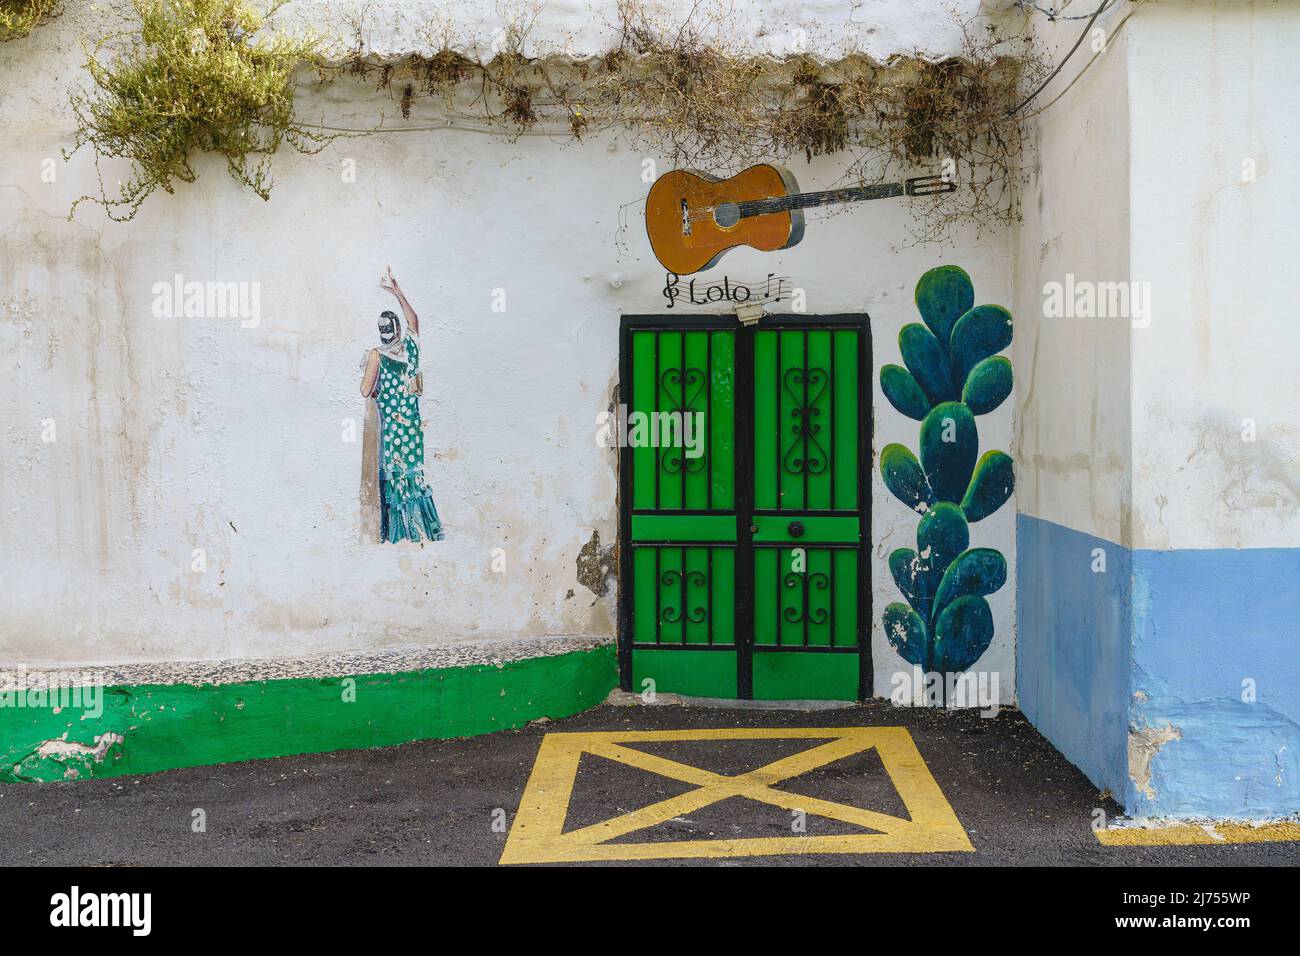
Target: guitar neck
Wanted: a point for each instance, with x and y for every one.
(829, 197)
(919, 186)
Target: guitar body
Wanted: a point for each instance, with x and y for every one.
(692, 220)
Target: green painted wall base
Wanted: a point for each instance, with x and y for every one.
(791, 675)
(690, 673)
(148, 728)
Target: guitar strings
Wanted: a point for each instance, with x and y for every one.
(760, 207)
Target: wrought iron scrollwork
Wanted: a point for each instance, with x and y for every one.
(806, 388)
(674, 579)
(677, 386)
(805, 582)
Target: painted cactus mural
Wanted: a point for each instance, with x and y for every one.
(952, 373)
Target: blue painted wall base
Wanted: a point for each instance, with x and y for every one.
(1216, 656)
(1072, 642)
(1171, 678)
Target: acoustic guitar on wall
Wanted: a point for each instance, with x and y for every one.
(693, 219)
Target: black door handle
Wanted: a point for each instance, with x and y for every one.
(795, 528)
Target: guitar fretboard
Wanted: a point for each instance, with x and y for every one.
(761, 207)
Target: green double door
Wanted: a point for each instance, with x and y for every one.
(745, 508)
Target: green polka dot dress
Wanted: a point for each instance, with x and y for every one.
(409, 513)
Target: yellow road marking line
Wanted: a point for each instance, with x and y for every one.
(538, 836)
(1198, 834)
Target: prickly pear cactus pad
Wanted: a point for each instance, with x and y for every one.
(951, 373)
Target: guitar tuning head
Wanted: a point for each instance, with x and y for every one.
(929, 186)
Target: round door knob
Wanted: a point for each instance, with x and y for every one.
(796, 529)
(753, 529)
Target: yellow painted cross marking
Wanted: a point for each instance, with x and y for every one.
(1193, 834)
(538, 836)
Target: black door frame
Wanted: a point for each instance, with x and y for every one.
(744, 489)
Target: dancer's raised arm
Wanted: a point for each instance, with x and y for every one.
(389, 282)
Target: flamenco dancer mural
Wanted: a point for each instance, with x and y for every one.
(393, 463)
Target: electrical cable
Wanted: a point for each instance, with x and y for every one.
(1052, 15)
(1114, 33)
(1051, 76)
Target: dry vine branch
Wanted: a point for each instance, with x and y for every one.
(685, 91)
(194, 78)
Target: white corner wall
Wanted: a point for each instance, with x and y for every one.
(1073, 413)
(1215, 234)
(1073, 372)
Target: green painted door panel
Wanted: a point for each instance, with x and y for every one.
(806, 397)
(785, 675)
(806, 461)
(683, 595)
(805, 529)
(808, 600)
(680, 465)
(684, 528)
(681, 426)
(692, 673)
(790, 562)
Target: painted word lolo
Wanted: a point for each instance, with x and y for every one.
(208, 300)
(917, 688)
(1083, 299)
(770, 289)
(651, 430)
(103, 909)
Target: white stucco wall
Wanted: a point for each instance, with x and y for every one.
(1144, 176)
(1222, 352)
(1072, 373)
(181, 434)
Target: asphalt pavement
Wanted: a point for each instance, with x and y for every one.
(453, 801)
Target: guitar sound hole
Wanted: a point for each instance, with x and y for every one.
(726, 215)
